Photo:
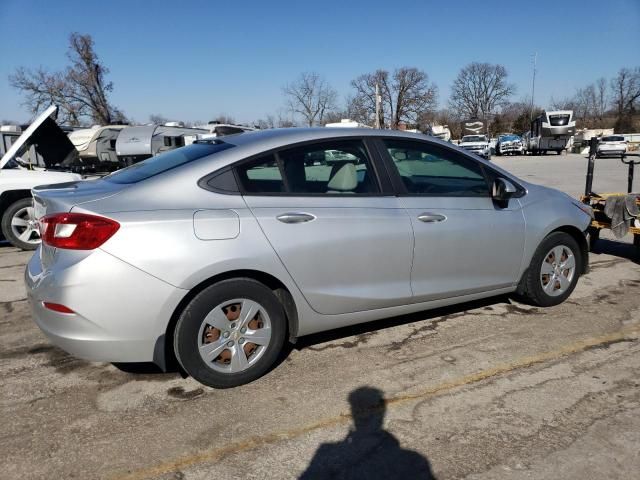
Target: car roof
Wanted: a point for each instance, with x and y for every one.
(275, 137)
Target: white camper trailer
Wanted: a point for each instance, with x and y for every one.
(443, 132)
(96, 148)
(216, 129)
(135, 144)
(550, 131)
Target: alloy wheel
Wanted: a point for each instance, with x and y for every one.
(24, 226)
(234, 335)
(557, 270)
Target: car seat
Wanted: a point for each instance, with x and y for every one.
(344, 180)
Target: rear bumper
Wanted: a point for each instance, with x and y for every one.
(120, 311)
(604, 153)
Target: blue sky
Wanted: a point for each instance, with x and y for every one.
(192, 60)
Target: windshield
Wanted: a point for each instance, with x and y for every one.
(508, 138)
(474, 138)
(167, 161)
(614, 138)
(559, 120)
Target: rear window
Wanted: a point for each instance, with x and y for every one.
(614, 138)
(166, 161)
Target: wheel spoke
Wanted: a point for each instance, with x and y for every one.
(547, 268)
(550, 287)
(261, 336)
(239, 360)
(213, 349)
(217, 319)
(564, 282)
(19, 222)
(569, 263)
(26, 235)
(557, 253)
(31, 213)
(248, 312)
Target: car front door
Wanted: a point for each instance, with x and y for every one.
(464, 242)
(347, 244)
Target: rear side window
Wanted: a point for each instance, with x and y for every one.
(434, 171)
(262, 175)
(166, 161)
(332, 167)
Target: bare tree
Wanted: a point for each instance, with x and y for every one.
(516, 116)
(268, 122)
(406, 96)
(601, 100)
(80, 91)
(479, 89)
(625, 89)
(158, 119)
(311, 97)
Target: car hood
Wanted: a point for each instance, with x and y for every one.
(474, 144)
(48, 139)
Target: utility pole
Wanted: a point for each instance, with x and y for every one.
(533, 84)
(378, 101)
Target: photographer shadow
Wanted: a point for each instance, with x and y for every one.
(368, 451)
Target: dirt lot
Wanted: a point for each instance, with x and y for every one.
(487, 390)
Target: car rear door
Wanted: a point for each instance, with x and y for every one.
(464, 243)
(347, 244)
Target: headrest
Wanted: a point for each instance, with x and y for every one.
(345, 179)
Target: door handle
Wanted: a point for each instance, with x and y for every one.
(429, 217)
(295, 217)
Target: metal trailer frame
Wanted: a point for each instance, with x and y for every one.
(597, 200)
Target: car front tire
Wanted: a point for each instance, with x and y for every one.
(553, 272)
(231, 333)
(19, 225)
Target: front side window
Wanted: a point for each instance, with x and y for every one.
(431, 170)
(334, 167)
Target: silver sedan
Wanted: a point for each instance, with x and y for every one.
(215, 254)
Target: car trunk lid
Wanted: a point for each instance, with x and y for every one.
(62, 197)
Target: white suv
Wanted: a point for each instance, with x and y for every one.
(612, 145)
(43, 143)
(478, 144)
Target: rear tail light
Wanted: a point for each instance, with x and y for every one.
(56, 307)
(76, 231)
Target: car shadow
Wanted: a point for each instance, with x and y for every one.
(617, 249)
(435, 316)
(368, 451)
(429, 317)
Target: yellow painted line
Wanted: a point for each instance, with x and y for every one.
(262, 440)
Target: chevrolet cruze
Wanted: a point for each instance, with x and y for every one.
(217, 253)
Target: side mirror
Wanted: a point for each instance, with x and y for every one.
(503, 190)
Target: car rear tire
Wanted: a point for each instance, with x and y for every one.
(19, 225)
(231, 333)
(554, 271)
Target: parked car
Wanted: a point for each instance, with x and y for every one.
(611, 145)
(478, 144)
(509, 145)
(25, 164)
(217, 253)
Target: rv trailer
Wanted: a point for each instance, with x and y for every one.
(440, 131)
(551, 131)
(217, 129)
(135, 144)
(473, 126)
(96, 149)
